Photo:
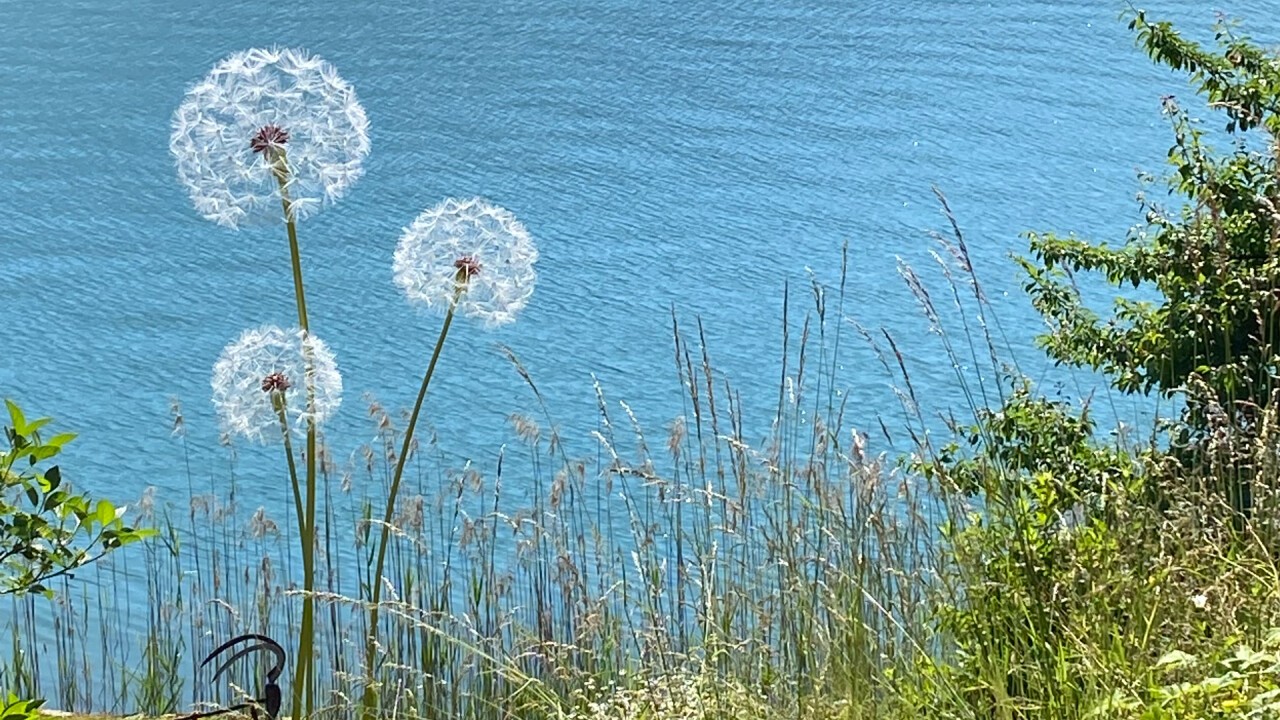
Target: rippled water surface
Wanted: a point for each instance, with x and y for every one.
(666, 153)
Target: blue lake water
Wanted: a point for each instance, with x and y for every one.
(663, 153)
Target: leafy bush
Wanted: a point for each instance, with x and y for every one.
(1073, 562)
(47, 530)
(1212, 254)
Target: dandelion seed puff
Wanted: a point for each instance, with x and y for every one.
(250, 108)
(267, 361)
(469, 241)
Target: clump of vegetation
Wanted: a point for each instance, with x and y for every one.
(47, 529)
(1032, 567)
(1093, 558)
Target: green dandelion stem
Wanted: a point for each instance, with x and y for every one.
(277, 401)
(309, 565)
(370, 697)
(291, 226)
(306, 521)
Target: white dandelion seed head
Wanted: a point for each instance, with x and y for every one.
(1200, 600)
(269, 360)
(228, 174)
(470, 237)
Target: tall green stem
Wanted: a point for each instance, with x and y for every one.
(306, 636)
(370, 697)
(306, 523)
(282, 413)
(295, 256)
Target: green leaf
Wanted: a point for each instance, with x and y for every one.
(1176, 659)
(53, 500)
(135, 535)
(61, 439)
(1272, 638)
(52, 478)
(42, 452)
(16, 417)
(106, 513)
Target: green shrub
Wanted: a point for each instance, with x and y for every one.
(47, 530)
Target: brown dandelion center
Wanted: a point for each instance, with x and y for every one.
(270, 137)
(467, 265)
(275, 382)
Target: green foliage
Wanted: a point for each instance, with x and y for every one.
(1071, 562)
(48, 530)
(1048, 445)
(1239, 683)
(1044, 563)
(1213, 258)
(16, 709)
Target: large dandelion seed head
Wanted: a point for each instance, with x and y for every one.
(470, 243)
(267, 365)
(254, 109)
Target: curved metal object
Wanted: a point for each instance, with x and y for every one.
(263, 643)
(272, 699)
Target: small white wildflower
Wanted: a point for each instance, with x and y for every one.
(270, 360)
(251, 107)
(1200, 600)
(473, 242)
